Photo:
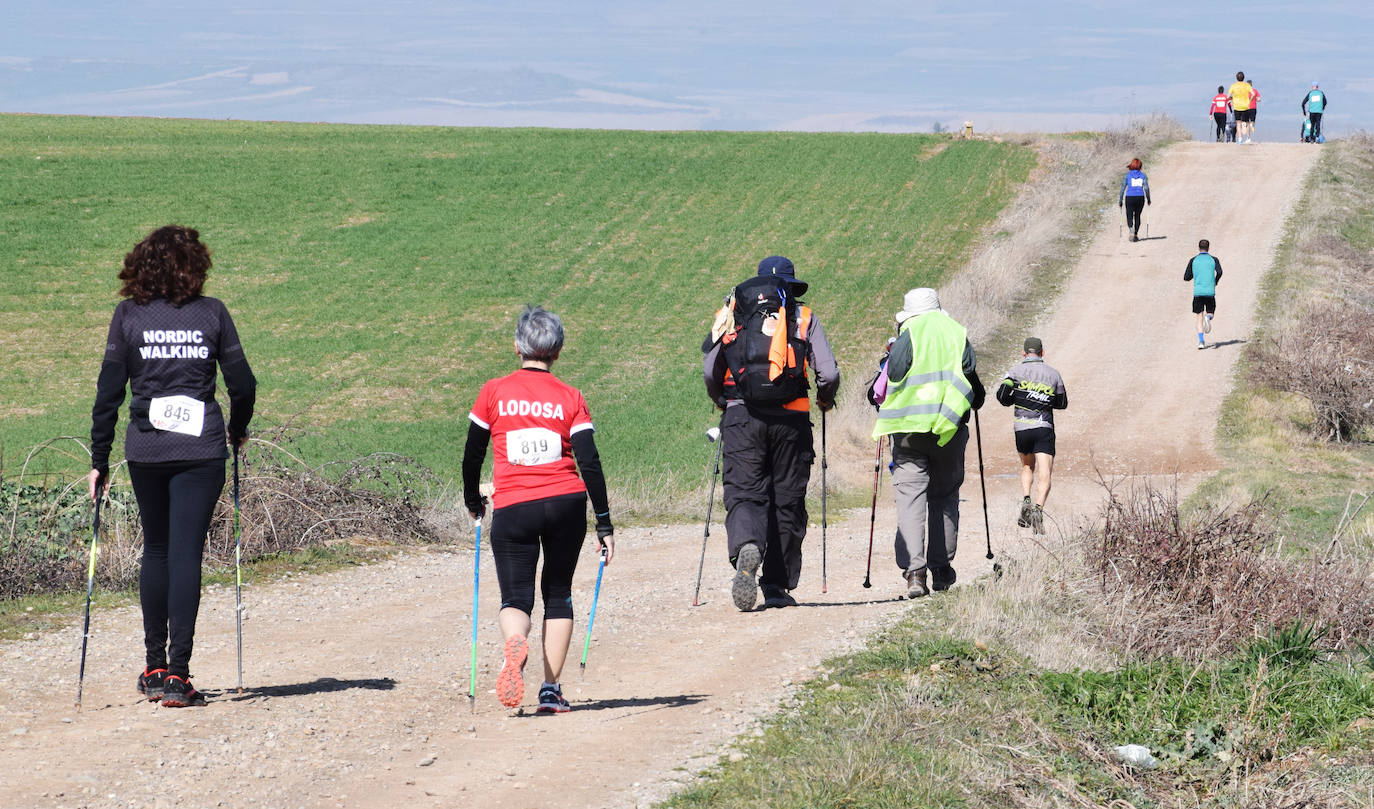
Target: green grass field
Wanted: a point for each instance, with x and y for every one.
(375, 272)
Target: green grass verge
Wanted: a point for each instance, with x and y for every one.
(375, 272)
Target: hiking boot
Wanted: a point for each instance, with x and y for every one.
(551, 700)
(942, 578)
(1207, 325)
(916, 584)
(1038, 520)
(150, 683)
(777, 597)
(744, 589)
(510, 683)
(1023, 521)
(177, 692)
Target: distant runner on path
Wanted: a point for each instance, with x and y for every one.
(1221, 104)
(1034, 391)
(1204, 271)
(1134, 196)
(541, 433)
(1241, 95)
(1313, 106)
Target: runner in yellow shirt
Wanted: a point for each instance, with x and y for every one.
(1241, 94)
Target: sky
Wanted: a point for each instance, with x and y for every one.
(808, 65)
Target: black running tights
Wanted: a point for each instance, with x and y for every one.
(1220, 119)
(1134, 205)
(175, 501)
(558, 525)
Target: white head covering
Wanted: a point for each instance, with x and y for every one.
(918, 302)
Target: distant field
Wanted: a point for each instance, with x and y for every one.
(375, 272)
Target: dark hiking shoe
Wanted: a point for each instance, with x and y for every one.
(1024, 520)
(177, 692)
(745, 589)
(1038, 520)
(942, 578)
(150, 683)
(551, 700)
(776, 597)
(916, 584)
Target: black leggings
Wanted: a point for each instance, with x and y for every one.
(175, 502)
(558, 525)
(1134, 205)
(1316, 119)
(1220, 119)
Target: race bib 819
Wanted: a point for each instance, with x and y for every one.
(533, 446)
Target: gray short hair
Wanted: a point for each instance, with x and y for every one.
(538, 334)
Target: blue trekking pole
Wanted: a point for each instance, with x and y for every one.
(591, 618)
(90, 588)
(476, 580)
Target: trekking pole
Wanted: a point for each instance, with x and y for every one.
(591, 617)
(712, 435)
(238, 569)
(823, 494)
(983, 481)
(90, 588)
(873, 514)
(476, 580)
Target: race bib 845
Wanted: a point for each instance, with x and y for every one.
(177, 414)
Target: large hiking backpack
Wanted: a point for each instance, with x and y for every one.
(766, 352)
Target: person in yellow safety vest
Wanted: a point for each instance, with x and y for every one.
(932, 384)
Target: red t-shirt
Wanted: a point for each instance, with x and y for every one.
(531, 415)
(1220, 103)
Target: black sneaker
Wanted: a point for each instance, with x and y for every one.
(1023, 521)
(776, 597)
(1038, 520)
(177, 692)
(150, 683)
(745, 589)
(942, 578)
(551, 700)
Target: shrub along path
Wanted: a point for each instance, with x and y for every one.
(356, 679)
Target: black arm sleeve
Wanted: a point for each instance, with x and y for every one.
(1218, 278)
(1060, 401)
(474, 454)
(239, 382)
(589, 464)
(1005, 391)
(1188, 271)
(109, 395)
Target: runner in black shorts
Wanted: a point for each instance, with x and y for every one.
(541, 434)
(1034, 391)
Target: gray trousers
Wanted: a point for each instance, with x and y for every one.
(925, 483)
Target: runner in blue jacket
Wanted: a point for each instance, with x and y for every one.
(1134, 196)
(1313, 106)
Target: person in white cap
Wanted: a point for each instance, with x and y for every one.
(931, 385)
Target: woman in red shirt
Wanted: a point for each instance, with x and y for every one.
(1221, 103)
(541, 433)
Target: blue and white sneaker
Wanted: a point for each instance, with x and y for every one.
(551, 699)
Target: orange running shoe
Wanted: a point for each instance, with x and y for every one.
(510, 683)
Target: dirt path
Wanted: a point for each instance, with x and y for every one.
(356, 679)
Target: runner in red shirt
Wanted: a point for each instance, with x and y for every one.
(542, 437)
(1221, 104)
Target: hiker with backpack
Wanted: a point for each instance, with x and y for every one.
(763, 345)
(929, 387)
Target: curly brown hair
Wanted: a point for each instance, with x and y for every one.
(170, 263)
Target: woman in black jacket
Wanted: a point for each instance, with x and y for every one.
(165, 342)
